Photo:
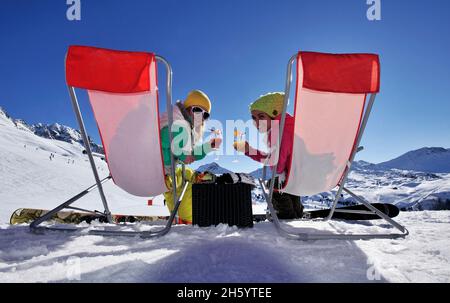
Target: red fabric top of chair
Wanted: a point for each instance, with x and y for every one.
(341, 73)
(108, 70)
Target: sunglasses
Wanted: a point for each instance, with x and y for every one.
(196, 110)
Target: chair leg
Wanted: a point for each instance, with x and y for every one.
(308, 236)
(34, 226)
(146, 234)
(335, 202)
(376, 211)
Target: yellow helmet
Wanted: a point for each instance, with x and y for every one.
(198, 98)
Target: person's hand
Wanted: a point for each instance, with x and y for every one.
(241, 146)
(189, 159)
(215, 143)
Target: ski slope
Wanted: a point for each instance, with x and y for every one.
(30, 178)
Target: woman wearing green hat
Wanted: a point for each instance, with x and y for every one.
(264, 111)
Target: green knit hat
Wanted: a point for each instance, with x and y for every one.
(271, 104)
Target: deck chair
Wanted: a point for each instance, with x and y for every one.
(123, 93)
(331, 112)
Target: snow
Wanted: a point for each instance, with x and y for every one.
(409, 190)
(405, 189)
(28, 178)
(228, 254)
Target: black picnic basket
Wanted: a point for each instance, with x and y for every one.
(227, 203)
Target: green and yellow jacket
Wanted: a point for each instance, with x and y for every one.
(182, 136)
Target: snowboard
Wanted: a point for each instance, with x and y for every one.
(28, 215)
(388, 209)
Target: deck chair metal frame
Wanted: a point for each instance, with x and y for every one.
(35, 225)
(294, 233)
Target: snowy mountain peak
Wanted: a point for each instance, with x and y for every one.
(64, 133)
(363, 165)
(258, 173)
(427, 151)
(54, 131)
(3, 112)
(22, 125)
(57, 132)
(5, 119)
(214, 168)
(427, 159)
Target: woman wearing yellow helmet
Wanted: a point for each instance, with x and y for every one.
(189, 117)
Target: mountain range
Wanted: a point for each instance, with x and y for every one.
(214, 168)
(426, 159)
(417, 180)
(53, 131)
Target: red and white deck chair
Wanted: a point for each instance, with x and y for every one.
(331, 113)
(123, 93)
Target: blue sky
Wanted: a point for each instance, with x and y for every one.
(236, 50)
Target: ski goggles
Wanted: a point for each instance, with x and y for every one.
(197, 110)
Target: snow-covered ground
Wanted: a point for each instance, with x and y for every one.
(228, 254)
(29, 177)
